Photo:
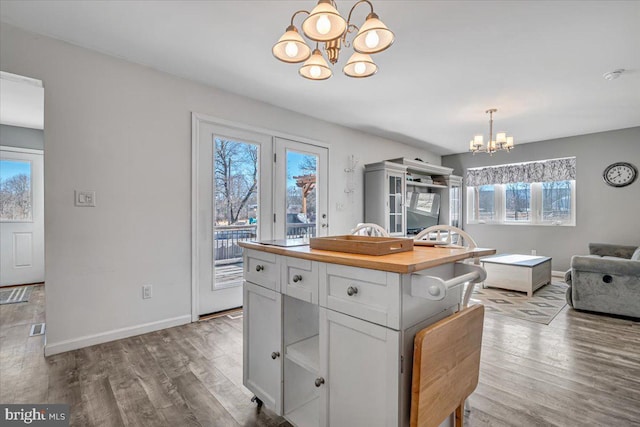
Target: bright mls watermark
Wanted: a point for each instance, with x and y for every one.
(34, 415)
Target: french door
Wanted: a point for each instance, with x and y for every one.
(248, 186)
(300, 190)
(233, 204)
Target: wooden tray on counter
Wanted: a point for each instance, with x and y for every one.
(366, 245)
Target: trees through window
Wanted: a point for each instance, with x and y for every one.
(536, 193)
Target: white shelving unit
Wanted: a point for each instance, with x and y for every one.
(424, 185)
(390, 186)
(305, 353)
(306, 415)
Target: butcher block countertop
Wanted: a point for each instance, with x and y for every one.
(420, 258)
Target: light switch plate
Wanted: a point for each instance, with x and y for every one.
(85, 198)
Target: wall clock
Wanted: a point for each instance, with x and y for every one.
(620, 174)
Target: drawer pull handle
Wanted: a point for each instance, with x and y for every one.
(319, 381)
(275, 355)
(259, 267)
(297, 278)
(352, 290)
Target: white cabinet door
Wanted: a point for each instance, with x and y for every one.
(360, 366)
(262, 349)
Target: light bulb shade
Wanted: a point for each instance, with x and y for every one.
(291, 47)
(373, 36)
(360, 65)
(501, 138)
(477, 140)
(316, 68)
(510, 142)
(324, 23)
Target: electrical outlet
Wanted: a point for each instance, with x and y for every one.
(533, 252)
(146, 292)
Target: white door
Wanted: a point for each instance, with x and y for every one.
(232, 203)
(21, 216)
(301, 184)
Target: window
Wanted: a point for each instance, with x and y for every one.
(486, 210)
(517, 202)
(535, 193)
(15, 190)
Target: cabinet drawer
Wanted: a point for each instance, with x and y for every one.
(366, 294)
(262, 269)
(300, 279)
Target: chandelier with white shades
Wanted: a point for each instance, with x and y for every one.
(325, 25)
(501, 141)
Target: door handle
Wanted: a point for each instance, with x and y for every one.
(259, 267)
(297, 278)
(319, 381)
(275, 355)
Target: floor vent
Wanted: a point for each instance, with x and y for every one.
(37, 329)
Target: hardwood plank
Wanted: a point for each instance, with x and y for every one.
(207, 409)
(64, 386)
(161, 390)
(580, 370)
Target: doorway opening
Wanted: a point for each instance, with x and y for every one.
(22, 268)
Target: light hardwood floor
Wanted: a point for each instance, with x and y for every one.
(581, 370)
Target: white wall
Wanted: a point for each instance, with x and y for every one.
(124, 130)
(604, 214)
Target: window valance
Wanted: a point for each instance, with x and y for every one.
(540, 171)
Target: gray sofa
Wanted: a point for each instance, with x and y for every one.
(606, 281)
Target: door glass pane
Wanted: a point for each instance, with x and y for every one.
(235, 205)
(15, 190)
(301, 196)
(455, 206)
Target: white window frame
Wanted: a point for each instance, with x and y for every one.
(535, 208)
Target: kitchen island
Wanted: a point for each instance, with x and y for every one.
(328, 336)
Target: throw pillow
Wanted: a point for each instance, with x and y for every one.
(636, 255)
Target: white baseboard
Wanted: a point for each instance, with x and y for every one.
(559, 274)
(116, 334)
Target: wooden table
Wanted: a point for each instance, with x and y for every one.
(524, 273)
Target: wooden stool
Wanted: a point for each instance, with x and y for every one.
(446, 365)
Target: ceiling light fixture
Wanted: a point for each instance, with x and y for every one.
(325, 25)
(612, 75)
(501, 142)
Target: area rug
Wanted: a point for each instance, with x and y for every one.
(14, 295)
(542, 307)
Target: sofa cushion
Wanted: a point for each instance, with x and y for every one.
(636, 255)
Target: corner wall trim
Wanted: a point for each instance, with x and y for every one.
(116, 334)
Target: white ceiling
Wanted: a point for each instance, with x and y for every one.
(540, 63)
